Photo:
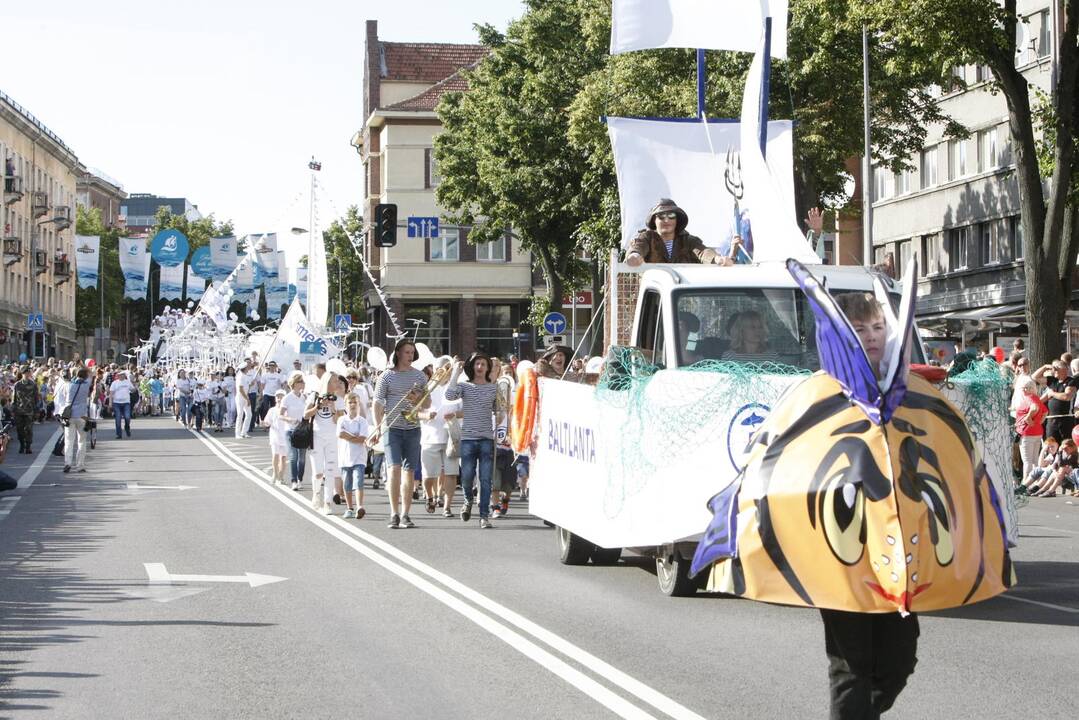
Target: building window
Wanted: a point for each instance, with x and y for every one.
(447, 246)
(959, 77)
(931, 255)
(882, 183)
(958, 248)
(494, 251)
(988, 248)
(1015, 236)
(929, 167)
(957, 159)
(494, 329)
(1045, 34)
(434, 328)
(431, 178)
(988, 158)
(903, 181)
(982, 73)
(905, 255)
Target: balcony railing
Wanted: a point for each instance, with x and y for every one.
(61, 215)
(13, 189)
(39, 204)
(12, 249)
(61, 269)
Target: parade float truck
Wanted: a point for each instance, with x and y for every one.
(630, 463)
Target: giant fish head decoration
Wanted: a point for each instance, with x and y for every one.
(861, 492)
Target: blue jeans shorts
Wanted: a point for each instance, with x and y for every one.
(353, 476)
(403, 448)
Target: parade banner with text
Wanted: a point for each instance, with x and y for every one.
(87, 249)
(133, 264)
(224, 257)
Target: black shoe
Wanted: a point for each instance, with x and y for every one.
(67, 468)
(337, 500)
(395, 522)
(129, 432)
(466, 512)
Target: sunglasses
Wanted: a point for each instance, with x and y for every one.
(667, 216)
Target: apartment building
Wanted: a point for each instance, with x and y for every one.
(958, 210)
(456, 295)
(138, 210)
(37, 217)
(96, 190)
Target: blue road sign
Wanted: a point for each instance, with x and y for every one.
(342, 322)
(422, 227)
(554, 323)
(35, 321)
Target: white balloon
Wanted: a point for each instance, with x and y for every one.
(255, 315)
(233, 316)
(376, 358)
(522, 367)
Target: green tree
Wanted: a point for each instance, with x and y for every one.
(504, 157)
(951, 32)
(88, 301)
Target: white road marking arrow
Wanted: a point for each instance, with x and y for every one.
(160, 576)
(137, 486)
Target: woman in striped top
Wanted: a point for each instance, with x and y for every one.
(478, 397)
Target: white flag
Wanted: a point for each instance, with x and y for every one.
(774, 222)
(196, 285)
(223, 255)
(297, 337)
(134, 263)
(318, 284)
(708, 24)
(171, 282)
(87, 249)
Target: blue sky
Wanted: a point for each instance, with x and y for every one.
(221, 101)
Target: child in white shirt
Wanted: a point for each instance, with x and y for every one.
(352, 431)
(279, 444)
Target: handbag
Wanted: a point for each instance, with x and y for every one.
(303, 436)
(453, 440)
(65, 414)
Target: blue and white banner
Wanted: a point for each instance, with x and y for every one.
(201, 263)
(171, 284)
(243, 288)
(169, 248)
(296, 335)
(707, 24)
(277, 288)
(264, 250)
(196, 285)
(301, 286)
(224, 257)
(133, 264)
(87, 251)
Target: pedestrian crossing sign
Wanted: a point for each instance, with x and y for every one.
(342, 322)
(35, 321)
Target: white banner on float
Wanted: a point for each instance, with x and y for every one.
(223, 256)
(196, 285)
(708, 24)
(87, 255)
(698, 166)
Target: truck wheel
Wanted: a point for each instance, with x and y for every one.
(672, 572)
(573, 550)
(606, 556)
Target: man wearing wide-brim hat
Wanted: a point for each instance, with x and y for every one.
(665, 240)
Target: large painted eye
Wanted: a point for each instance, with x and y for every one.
(940, 524)
(842, 512)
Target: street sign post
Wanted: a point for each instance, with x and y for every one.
(342, 322)
(35, 322)
(422, 227)
(554, 323)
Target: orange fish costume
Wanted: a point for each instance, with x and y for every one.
(860, 493)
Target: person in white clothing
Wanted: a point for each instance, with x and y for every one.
(279, 445)
(120, 398)
(352, 432)
(243, 404)
(271, 381)
(293, 407)
(76, 396)
(439, 471)
(324, 410)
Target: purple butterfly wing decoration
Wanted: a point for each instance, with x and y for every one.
(841, 352)
(720, 540)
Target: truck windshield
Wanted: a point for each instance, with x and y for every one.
(749, 325)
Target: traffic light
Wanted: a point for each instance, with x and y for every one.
(386, 225)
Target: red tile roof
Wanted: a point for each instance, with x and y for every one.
(428, 99)
(426, 62)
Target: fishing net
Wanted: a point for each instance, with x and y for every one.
(983, 393)
(652, 420)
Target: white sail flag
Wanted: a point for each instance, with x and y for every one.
(87, 255)
(770, 206)
(215, 304)
(223, 256)
(133, 265)
(300, 338)
(697, 165)
(708, 24)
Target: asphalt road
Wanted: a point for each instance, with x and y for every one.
(441, 621)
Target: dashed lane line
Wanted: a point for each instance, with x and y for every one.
(352, 537)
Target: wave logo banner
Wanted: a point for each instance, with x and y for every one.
(171, 284)
(87, 250)
(223, 256)
(169, 248)
(201, 263)
(133, 265)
